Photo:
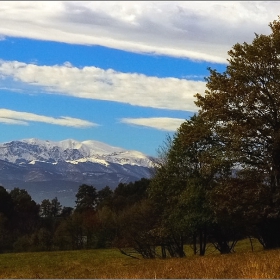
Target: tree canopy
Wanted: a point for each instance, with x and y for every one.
(86, 198)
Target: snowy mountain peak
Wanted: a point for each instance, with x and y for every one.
(70, 144)
(71, 151)
(100, 147)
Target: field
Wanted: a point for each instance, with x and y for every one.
(109, 263)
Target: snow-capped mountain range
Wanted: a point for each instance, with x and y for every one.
(35, 150)
(48, 169)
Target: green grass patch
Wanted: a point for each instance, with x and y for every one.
(111, 264)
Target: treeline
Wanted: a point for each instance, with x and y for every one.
(92, 223)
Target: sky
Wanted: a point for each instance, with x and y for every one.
(121, 72)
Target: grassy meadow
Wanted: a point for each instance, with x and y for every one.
(110, 263)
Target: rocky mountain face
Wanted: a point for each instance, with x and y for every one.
(49, 169)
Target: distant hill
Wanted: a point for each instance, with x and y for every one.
(48, 169)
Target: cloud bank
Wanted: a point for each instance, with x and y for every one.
(200, 30)
(168, 124)
(23, 118)
(96, 83)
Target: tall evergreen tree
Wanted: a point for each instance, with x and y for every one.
(86, 198)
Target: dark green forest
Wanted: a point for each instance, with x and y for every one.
(217, 179)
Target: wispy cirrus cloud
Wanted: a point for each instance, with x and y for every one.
(110, 85)
(168, 124)
(23, 118)
(202, 30)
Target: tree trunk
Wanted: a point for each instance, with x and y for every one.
(202, 242)
(163, 252)
(194, 245)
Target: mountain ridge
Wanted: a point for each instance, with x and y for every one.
(68, 150)
(61, 166)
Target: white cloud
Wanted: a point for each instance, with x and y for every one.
(96, 83)
(12, 121)
(23, 118)
(203, 30)
(169, 124)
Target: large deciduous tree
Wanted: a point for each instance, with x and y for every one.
(243, 105)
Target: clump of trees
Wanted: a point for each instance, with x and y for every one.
(98, 220)
(219, 179)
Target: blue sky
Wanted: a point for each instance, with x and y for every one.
(123, 73)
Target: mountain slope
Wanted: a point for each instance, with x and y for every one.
(48, 169)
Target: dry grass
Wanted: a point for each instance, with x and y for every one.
(111, 264)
